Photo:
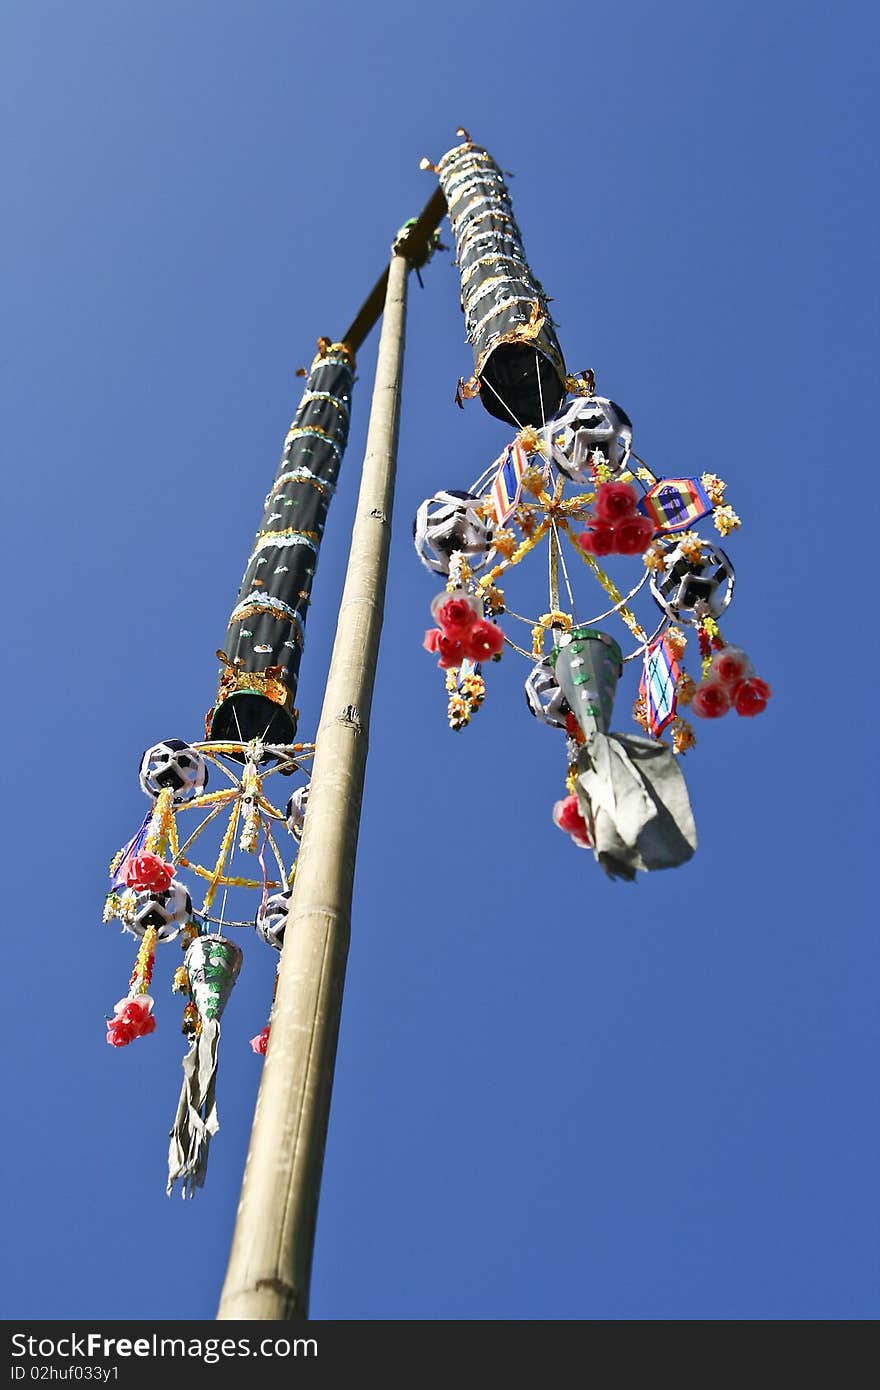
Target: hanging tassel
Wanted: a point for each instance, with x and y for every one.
(212, 964)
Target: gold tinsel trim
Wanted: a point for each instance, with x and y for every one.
(269, 683)
(326, 349)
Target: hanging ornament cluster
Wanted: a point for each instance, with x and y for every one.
(195, 833)
(570, 479)
(155, 906)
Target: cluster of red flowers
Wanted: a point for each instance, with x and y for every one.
(261, 1042)
(617, 528)
(147, 873)
(567, 815)
(462, 632)
(731, 684)
(132, 1019)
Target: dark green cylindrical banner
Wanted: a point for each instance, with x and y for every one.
(519, 370)
(264, 640)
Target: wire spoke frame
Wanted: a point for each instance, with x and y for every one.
(245, 766)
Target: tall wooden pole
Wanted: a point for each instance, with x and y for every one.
(270, 1261)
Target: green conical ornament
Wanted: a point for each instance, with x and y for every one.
(212, 964)
(588, 665)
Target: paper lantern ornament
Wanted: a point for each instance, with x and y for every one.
(167, 913)
(175, 765)
(295, 811)
(696, 582)
(589, 431)
(544, 697)
(451, 523)
(271, 919)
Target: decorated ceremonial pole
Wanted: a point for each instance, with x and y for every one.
(270, 1261)
(569, 475)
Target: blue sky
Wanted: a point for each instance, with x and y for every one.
(556, 1096)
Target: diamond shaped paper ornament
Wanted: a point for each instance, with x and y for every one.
(674, 504)
(658, 686)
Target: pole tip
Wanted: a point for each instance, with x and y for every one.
(463, 135)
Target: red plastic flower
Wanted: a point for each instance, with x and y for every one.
(750, 696)
(633, 534)
(567, 815)
(147, 873)
(118, 1035)
(432, 637)
(599, 540)
(711, 700)
(614, 501)
(451, 651)
(135, 1013)
(483, 640)
(132, 1019)
(261, 1042)
(731, 665)
(455, 617)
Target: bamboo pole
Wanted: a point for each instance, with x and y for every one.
(270, 1261)
(418, 240)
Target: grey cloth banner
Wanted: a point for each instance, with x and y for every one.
(196, 1119)
(633, 796)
